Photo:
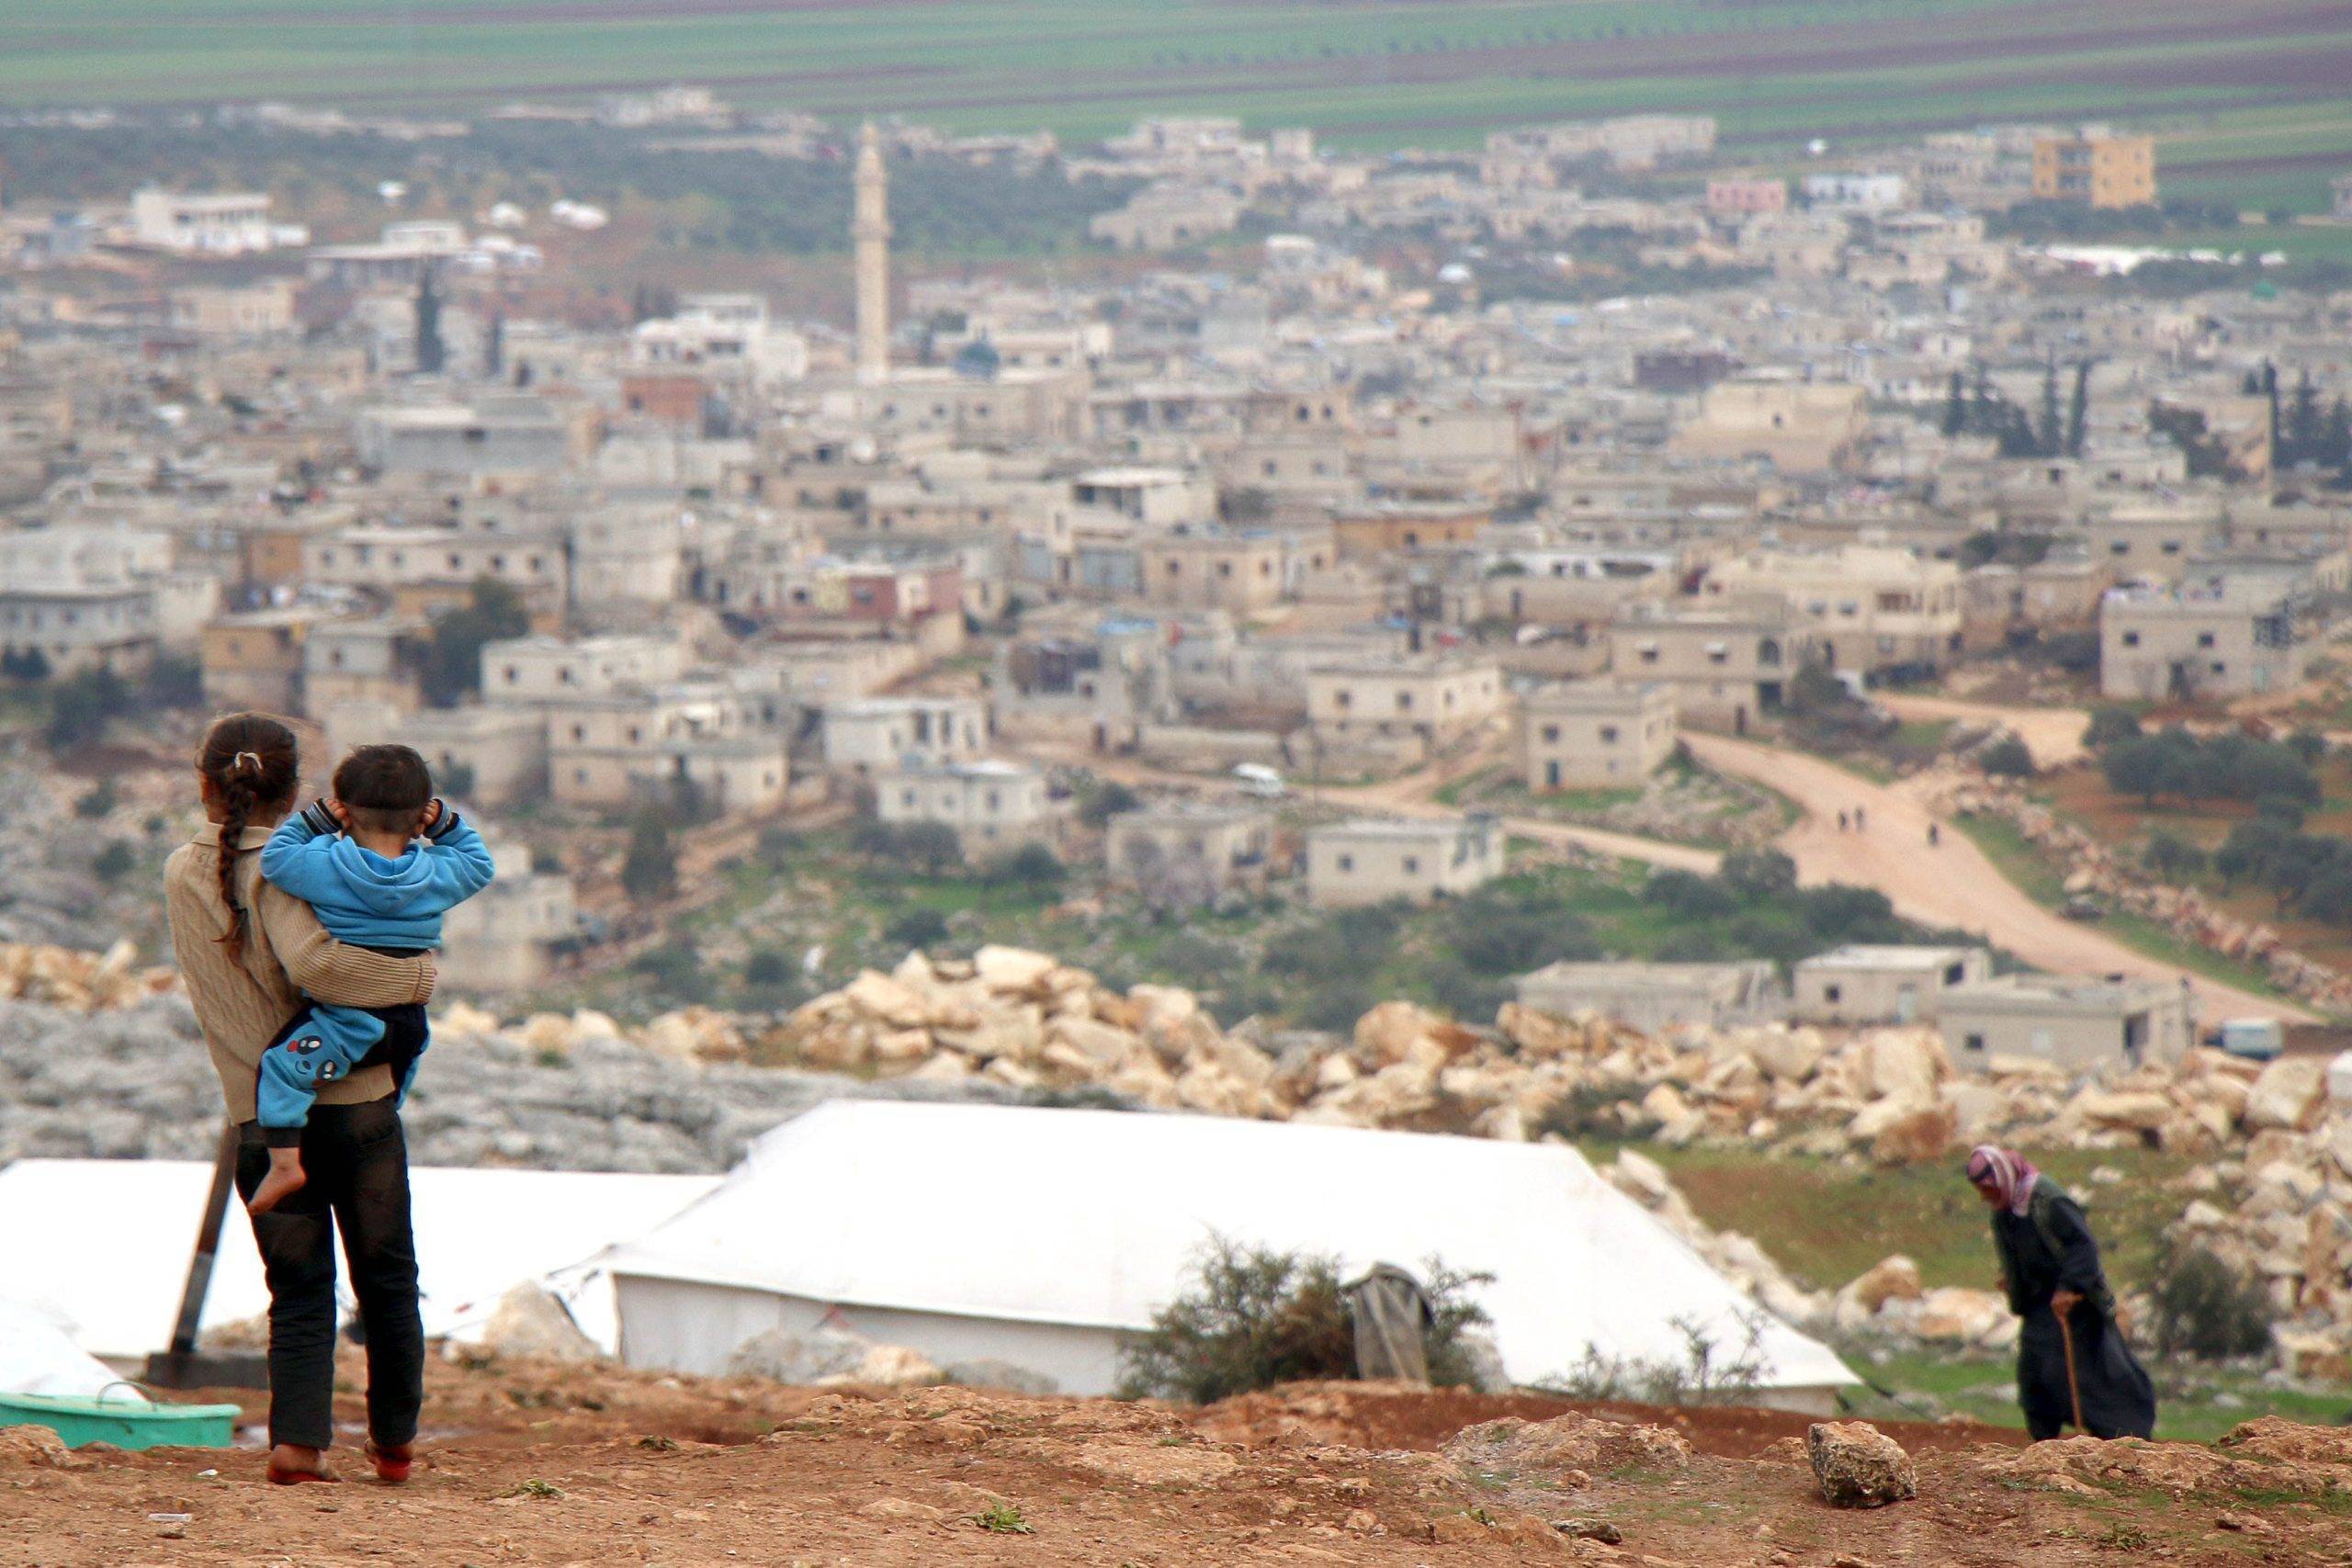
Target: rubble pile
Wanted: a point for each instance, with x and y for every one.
(111, 1068)
(71, 977)
(2100, 873)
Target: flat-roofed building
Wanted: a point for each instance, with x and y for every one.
(1437, 699)
(1181, 851)
(992, 805)
(1728, 668)
(1864, 984)
(880, 734)
(2078, 1024)
(1654, 997)
(1372, 860)
(2095, 169)
(2216, 640)
(1596, 734)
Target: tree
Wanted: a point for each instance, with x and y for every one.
(933, 846)
(1032, 867)
(2145, 766)
(2008, 758)
(649, 869)
(2048, 435)
(919, 927)
(2108, 726)
(432, 354)
(453, 661)
(1759, 873)
(2078, 409)
(1104, 801)
(80, 705)
(2251, 849)
(1955, 405)
(2173, 857)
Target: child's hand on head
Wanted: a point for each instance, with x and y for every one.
(340, 812)
(429, 816)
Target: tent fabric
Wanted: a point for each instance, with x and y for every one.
(37, 1356)
(1092, 1219)
(102, 1246)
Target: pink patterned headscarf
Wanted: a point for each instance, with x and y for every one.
(2008, 1173)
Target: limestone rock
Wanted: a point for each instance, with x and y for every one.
(2287, 1095)
(528, 1321)
(1916, 1137)
(1011, 969)
(790, 1358)
(1894, 1278)
(1586, 1443)
(1858, 1466)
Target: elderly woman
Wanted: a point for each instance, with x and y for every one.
(248, 952)
(2073, 1363)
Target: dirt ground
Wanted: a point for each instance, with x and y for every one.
(547, 1464)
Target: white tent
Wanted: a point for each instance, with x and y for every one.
(37, 1356)
(1042, 1237)
(102, 1246)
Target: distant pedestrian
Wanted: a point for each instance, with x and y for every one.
(1860, 824)
(2073, 1363)
(1935, 835)
(1841, 821)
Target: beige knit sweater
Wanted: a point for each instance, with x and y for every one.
(242, 1003)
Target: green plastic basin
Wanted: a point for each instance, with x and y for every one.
(122, 1421)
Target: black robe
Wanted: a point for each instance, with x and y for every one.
(2050, 1247)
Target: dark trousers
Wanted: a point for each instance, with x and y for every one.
(356, 1162)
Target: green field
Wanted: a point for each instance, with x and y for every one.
(2253, 90)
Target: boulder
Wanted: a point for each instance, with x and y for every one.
(461, 1020)
(2141, 1111)
(1894, 1278)
(1955, 1315)
(1586, 1443)
(1858, 1466)
(889, 1366)
(790, 1358)
(528, 1321)
(1399, 1031)
(1011, 970)
(2287, 1095)
(1915, 1138)
(1787, 1054)
(1538, 1034)
(988, 1373)
(1905, 1063)
(1640, 1178)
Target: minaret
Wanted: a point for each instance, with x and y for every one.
(870, 228)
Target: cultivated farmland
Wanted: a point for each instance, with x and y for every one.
(2249, 95)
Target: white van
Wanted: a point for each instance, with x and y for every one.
(1255, 778)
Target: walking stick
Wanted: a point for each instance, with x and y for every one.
(2074, 1387)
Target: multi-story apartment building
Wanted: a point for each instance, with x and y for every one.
(1728, 668)
(1869, 608)
(2095, 169)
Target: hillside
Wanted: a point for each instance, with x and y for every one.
(2252, 91)
(555, 1463)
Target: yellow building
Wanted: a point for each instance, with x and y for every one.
(2096, 170)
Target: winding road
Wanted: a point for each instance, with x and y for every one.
(1951, 883)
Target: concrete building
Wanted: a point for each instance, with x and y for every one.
(1800, 427)
(1237, 572)
(254, 659)
(1181, 850)
(1370, 862)
(1437, 699)
(499, 434)
(2080, 1025)
(1727, 668)
(2095, 169)
(991, 805)
(1860, 984)
(1871, 609)
(2215, 641)
(223, 223)
(1654, 997)
(875, 735)
(506, 937)
(1746, 198)
(1596, 734)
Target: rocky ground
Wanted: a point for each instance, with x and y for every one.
(533, 1462)
(97, 1058)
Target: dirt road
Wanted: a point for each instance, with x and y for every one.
(2054, 735)
(563, 1466)
(1949, 884)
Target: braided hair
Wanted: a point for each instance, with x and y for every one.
(252, 764)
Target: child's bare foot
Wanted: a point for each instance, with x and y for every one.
(290, 1465)
(284, 1178)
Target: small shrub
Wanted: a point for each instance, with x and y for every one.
(769, 966)
(2108, 726)
(2173, 857)
(2008, 758)
(1703, 1375)
(919, 927)
(1253, 1318)
(96, 801)
(1003, 1518)
(2205, 1308)
(534, 1488)
(114, 863)
(1032, 867)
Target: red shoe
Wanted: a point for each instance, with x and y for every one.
(393, 1462)
(300, 1477)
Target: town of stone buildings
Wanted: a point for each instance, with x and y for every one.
(1353, 550)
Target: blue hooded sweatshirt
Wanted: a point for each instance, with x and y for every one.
(364, 898)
